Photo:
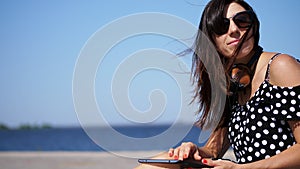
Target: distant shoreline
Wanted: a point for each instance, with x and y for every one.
(25, 127)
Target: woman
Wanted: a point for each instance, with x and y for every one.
(261, 120)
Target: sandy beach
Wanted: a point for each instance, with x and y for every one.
(72, 160)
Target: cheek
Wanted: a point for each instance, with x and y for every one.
(220, 46)
(248, 44)
(247, 47)
(224, 50)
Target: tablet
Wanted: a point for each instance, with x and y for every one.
(184, 163)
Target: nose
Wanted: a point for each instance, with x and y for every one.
(233, 28)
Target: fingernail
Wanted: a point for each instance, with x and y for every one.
(185, 155)
(204, 161)
(176, 157)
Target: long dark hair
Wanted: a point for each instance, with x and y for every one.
(211, 18)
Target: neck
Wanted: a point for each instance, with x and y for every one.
(251, 58)
(255, 56)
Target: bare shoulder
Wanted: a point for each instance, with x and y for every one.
(285, 71)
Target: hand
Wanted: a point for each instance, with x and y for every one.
(184, 151)
(220, 164)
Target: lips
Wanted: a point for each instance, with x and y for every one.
(234, 42)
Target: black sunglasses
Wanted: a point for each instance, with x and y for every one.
(242, 20)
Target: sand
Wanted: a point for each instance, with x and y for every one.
(72, 160)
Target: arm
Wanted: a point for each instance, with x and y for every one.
(285, 71)
(217, 145)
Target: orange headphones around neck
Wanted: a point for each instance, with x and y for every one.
(241, 74)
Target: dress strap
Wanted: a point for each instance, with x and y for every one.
(267, 76)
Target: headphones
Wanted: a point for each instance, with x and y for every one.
(241, 74)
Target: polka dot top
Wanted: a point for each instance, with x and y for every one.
(259, 129)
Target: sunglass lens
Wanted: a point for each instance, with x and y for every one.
(243, 20)
(222, 28)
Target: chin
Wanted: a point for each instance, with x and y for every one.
(247, 50)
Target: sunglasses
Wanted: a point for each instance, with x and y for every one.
(242, 20)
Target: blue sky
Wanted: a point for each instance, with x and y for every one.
(41, 40)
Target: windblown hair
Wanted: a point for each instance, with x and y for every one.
(211, 18)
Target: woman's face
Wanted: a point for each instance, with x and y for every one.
(227, 43)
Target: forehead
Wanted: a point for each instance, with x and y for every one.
(233, 8)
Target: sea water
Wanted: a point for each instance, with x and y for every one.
(76, 139)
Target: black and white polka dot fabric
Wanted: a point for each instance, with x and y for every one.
(259, 129)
